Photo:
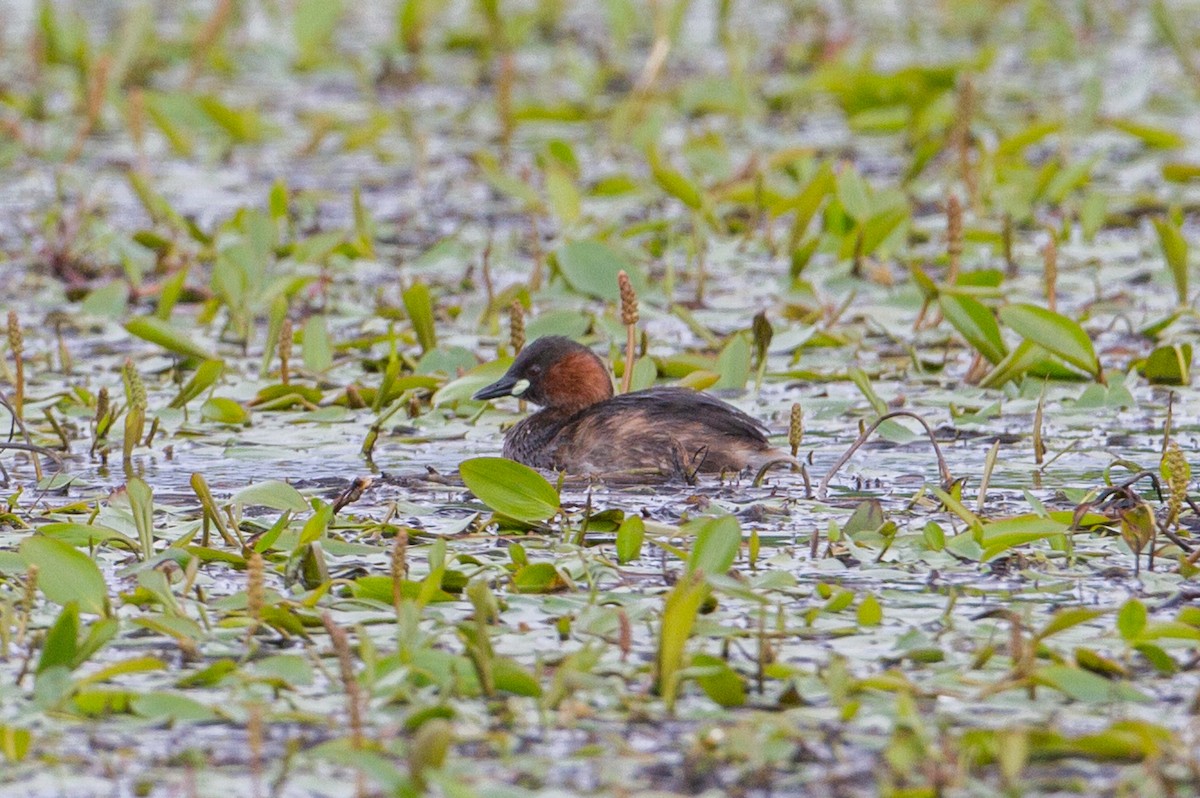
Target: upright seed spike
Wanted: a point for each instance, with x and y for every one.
(255, 593)
(341, 646)
(286, 334)
(963, 112)
(629, 317)
(27, 601)
(516, 334)
(135, 416)
(796, 428)
(516, 326)
(1177, 474)
(954, 237)
(16, 342)
(254, 742)
(1050, 260)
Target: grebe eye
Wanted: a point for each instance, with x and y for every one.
(534, 370)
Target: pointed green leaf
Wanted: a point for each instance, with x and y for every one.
(1175, 252)
(975, 323)
(1054, 333)
(510, 488)
(159, 332)
(66, 574)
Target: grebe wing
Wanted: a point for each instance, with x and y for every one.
(667, 405)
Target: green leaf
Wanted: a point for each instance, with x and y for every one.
(172, 707)
(510, 677)
(84, 535)
(141, 504)
(868, 516)
(1156, 137)
(313, 27)
(1085, 686)
(241, 125)
(1168, 365)
(1018, 142)
(163, 110)
(510, 488)
(563, 195)
(733, 365)
(66, 574)
(934, 536)
(540, 577)
(1067, 618)
(975, 323)
(108, 301)
(418, 303)
(717, 543)
(14, 743)
(680, 609)
(570, 323)
(1131, 619)
(489, 165)
(318, 351)
(268, 538)
(1015, 365)
(277, 200)
(929, 289)
(202, 379)
(159, 332)
(870, 612)
(1053, 332)
(61, 641)
(1092, 215)
(630, 535)
(1157, 657)
(1033, 529)
(1175, 252)
(1181, 172)
(271, 493)
(315, 527)
(591, 268)
(719, 682)
(122, 668)
(224, 410)
(862, 381)
(463, 388)
(674, 182)
(645, 373)
(854, 194)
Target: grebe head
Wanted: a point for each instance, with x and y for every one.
(554, 372)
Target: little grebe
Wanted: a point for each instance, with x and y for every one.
(582, 427)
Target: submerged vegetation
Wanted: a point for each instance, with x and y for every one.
(257, 257)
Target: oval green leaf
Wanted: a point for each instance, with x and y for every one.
(540, 577)
(157, 331)
(223, 410)
(1053, 332)
(719, 682)
(630, 535)
(509, 488)
(976, 323)
(591, 268)
(66, 574)
(272, 493)
(717, 543)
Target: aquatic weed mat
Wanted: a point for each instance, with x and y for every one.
(257, 259)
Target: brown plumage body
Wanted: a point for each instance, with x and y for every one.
(583, 428)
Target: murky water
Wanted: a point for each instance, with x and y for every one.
(825, 704)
